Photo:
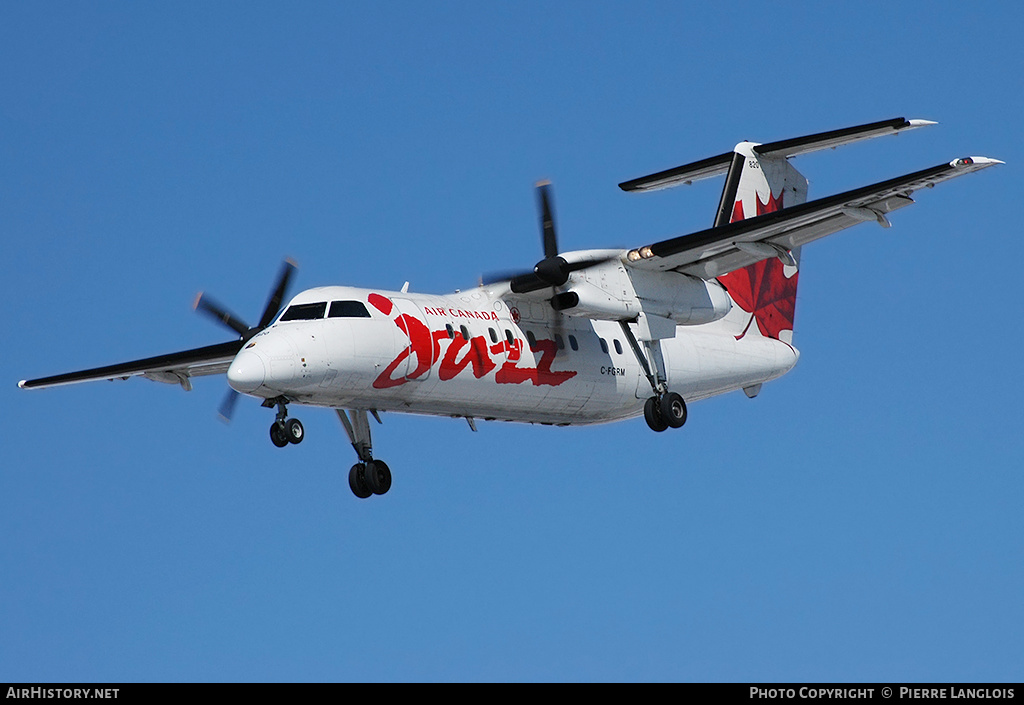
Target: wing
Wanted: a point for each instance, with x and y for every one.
(175, 368)
(717, 251)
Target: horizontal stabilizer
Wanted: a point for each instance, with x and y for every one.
(713, 166)
(685, 174)
(837, 138)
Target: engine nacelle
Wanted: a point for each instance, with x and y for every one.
(689, 301)
(617, 293)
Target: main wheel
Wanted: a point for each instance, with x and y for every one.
(277, 435)
(293, 431)
(652, 415)
(673, 409)
(378, 476)
(357, 481)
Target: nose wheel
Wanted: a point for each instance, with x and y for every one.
(290, 431)
(284, 430)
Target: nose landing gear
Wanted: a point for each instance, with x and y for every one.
(284, 430)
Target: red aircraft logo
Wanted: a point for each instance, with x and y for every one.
(763, 290)
(425, 346)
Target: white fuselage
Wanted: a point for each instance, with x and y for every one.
(486, 354)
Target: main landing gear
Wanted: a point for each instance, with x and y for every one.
(284, 430)
(665, 409)
(368, 476)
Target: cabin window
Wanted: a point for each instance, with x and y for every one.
(494, 336)
(305, 312)
(509, 337)
(604, 346)
(450, 330)
(618, 346)
(532, 338)
(559, 342)
(348, 309)
(573, 343)
(465, 332)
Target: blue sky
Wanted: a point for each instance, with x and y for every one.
(860, 520)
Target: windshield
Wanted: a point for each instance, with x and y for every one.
(305, 312)
(348, 309)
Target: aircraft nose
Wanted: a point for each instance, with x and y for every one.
(247, 372)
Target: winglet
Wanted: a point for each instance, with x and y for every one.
(980, 162)
(969, 164)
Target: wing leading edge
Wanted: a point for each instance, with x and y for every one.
(175, 368)
(720, 250)
(180, 367)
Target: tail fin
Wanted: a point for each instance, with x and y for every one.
(756, 184)
(759, 179)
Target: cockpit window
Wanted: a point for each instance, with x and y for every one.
(305, 312)
(348, 309)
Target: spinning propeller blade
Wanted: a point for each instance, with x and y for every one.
(274, 304)
(552, 271)
(227, 407)
(211, 308)
(547, 221)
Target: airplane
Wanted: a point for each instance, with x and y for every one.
(585, 337)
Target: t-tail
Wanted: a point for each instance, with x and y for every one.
(759, 179)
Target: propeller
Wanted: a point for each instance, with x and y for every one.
(547, 220)
(552, 271)
(227, 407)
(222, 315)
(225, 317)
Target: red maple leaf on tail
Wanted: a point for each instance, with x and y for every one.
(762, 289)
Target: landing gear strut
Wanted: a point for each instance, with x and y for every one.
(368, 476)
(665, 409)
(284, 430)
